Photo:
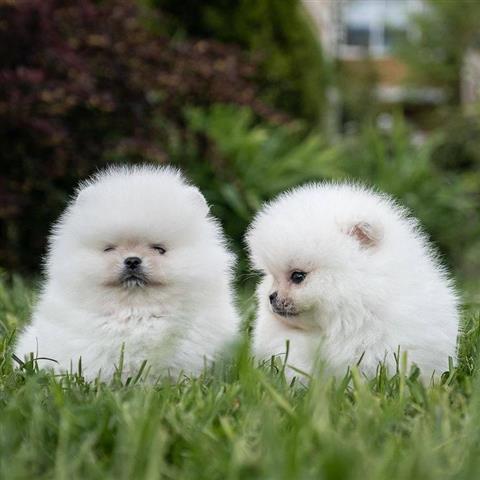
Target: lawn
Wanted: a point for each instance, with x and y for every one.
(236, 421)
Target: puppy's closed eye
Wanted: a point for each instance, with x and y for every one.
(159, 248)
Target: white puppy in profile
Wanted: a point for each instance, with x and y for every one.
(348, 275)
(135, 262)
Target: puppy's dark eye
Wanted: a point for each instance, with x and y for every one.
(159, 249)
(298, 276)
(110, 248)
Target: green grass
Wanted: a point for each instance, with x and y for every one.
(237, 421)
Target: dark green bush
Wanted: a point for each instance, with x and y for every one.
(459, 150)
(292, 74)
(251, 163)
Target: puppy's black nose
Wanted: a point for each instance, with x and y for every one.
(132, 262)
(273, 296)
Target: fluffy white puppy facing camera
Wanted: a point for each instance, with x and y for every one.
(349, 276)
(135, 263)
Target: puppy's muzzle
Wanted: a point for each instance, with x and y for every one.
(282, 306)
(132, 273)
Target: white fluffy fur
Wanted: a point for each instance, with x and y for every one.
(373, 282)
(184, 315)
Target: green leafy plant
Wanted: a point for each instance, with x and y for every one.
(249, 163)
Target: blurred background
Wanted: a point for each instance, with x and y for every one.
(249, 97)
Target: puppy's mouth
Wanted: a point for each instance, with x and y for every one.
(285, 311)
(292, 318)
(131, 280)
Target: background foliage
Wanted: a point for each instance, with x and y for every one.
(446, 30)
(291, 72)
(87, 83)
(235, 95)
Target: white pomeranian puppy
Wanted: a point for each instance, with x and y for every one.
(136, 263)
(349, 277)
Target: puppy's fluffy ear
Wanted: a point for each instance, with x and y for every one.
(198, 199)
(367, 234)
